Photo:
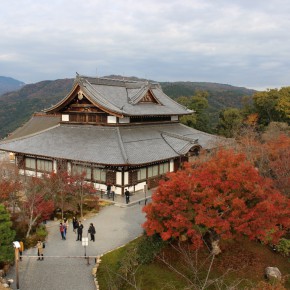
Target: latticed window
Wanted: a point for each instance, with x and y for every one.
(81, 118)
(141, 175)
(91, 118)
(99, 174)
(163, 168)
(44, 165)
(101, 118)
(152, 171)
(30, 163)
(80, 169)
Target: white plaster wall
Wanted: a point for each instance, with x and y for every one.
(65, 118)
(140, 186)
(119, 178)
(126, 177)
(174, 118)
(111, 119)
(39, 174)
(100, 186)
(69, 167)
(30, 173)
(118, 190)
(103, 187)
(54, 166)
(171, 165)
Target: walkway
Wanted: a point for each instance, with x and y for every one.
(115, 226)
(138, 197)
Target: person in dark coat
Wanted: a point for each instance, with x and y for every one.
(127, 195)
(92, 232)
(80, 231)
(109, 190)
(75, 224)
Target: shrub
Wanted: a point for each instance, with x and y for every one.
(148, 248)
(6, 236)
(40, 234)
(283, 247)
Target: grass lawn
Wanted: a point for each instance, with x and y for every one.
(245, 259)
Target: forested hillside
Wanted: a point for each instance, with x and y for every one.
(220, 95)
(8, 84)
(17, 107)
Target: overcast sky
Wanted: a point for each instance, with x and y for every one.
(237, 42)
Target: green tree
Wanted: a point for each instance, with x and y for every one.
(283, 104)
(230, 120)
(273, 105)
(199, 104)
(189, 120)
(7, 236)
(184, 101)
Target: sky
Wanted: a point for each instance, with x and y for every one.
(237, 42)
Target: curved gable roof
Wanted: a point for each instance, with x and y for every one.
(124, 98)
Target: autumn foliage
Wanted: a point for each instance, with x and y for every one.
(225, 193)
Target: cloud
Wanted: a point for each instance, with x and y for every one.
(238, 42)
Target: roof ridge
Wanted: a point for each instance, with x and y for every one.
(140, 92)
(174, 135)
(181, 106)
(190, 142)
(28, 136)
(169, 144)
(120, 140)
(101, 97)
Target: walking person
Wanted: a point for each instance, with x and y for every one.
(92, 232)
(80, 231)
(74, 224)
(109, 190)
(61, 229)
(127, 195)
(113, 190)
(39, 247)
(21, 249)
(65, 226)
(64, 231)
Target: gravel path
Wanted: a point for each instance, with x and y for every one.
(115, 226)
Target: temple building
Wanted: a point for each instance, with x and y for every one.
(120, 132)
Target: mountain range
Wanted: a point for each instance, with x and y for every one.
(17, 107)
(8, 84)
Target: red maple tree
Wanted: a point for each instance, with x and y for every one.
(274, 157)
(36, 205)
(226, 194)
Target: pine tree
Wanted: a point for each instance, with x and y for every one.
(7, 236)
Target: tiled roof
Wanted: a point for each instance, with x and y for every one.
(122, 97)
(36, 124)
(128, 145)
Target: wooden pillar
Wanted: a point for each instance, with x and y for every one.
(123, 179)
